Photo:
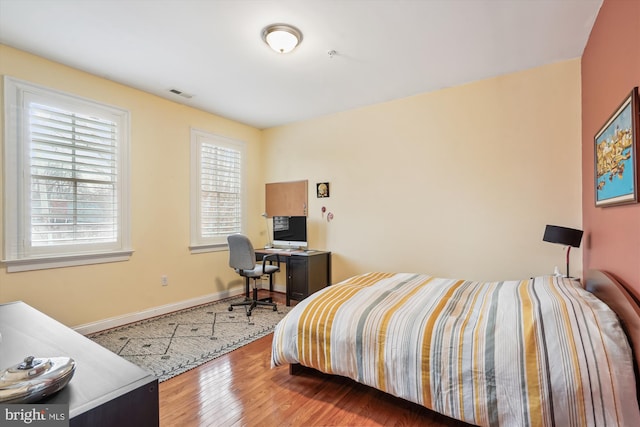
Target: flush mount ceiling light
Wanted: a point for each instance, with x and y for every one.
(282, 38)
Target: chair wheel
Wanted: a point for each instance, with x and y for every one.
(230, 308)
(275, 308)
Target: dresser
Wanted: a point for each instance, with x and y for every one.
(106, 390)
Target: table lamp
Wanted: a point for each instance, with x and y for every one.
(564, 236)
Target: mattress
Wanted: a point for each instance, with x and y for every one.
(540, 351)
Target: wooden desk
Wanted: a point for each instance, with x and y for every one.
(307, 271)
(106, 390)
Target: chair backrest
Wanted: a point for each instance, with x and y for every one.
(241, 253)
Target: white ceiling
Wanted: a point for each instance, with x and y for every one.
(386, 49)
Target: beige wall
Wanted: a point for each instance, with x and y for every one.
(160, 144)
(457, 183)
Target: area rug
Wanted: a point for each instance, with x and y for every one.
(174, 343)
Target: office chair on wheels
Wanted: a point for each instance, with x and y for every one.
(242, 258)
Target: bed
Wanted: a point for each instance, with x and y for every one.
(541, 351)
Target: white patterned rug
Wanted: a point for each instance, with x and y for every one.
(174, 343)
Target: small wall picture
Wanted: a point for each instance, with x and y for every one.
(616, 157)
(322, 189)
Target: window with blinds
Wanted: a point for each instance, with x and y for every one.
(217, 189)
(73, 168)
(67, 178)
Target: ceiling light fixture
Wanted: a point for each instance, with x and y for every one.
(282, 38)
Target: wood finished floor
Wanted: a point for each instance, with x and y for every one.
(241, 389)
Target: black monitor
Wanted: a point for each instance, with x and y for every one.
(290, 231)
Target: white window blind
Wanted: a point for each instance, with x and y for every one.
(221, 211)
(67, 179)
(73, 177)
(217, 188)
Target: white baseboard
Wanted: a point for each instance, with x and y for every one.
(277, 288)
(114, 322)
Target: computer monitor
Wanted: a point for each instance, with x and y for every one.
(290, 232)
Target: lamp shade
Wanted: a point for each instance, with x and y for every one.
(562, 235)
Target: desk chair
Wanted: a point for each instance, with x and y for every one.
(242, 258)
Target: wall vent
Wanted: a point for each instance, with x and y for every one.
(181, 93)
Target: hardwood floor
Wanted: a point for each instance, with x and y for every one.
(240, 388)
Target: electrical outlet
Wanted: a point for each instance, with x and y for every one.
(164, 280)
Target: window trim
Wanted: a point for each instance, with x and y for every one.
(16, 256)
(198, 244)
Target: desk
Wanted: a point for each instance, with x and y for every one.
(307, 271)
(106, 390)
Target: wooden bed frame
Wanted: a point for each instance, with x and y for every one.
(624, 302)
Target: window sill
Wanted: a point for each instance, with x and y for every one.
(200, 249)
(14, 266)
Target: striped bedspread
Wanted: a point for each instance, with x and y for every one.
(538, 352)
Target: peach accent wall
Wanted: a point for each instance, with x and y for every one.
(610, 69)
(456, 183)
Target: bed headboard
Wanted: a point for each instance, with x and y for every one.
(626, 305)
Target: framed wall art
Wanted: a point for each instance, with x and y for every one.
(322, 189)
(616, 155)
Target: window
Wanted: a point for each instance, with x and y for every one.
(217, 190)
(66, 163)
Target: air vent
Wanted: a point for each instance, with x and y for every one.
(181, 93)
